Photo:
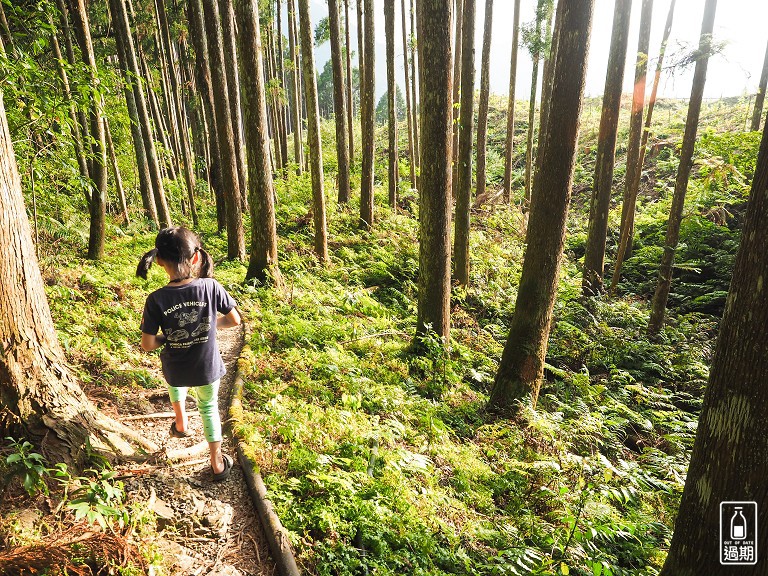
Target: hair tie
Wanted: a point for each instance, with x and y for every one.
(197, 248)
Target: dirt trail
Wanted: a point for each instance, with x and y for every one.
(207, 528)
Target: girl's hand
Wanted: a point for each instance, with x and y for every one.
(229, 320)
(151, 342)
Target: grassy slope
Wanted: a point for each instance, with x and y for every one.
(365, 447)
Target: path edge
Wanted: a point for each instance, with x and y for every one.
(277, 537)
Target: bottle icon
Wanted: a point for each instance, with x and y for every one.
(738, 525)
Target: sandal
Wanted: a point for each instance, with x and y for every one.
(177, 433)
(224, 474)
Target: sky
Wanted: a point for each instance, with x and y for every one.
(740, 24)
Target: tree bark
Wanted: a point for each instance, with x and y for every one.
(664, 282)
(408, 105)
(730, 453)
(463, 192)
(414, 90)
(368, 118)
(633, 146)
(122, 28)
(349, 81)
(339, 102)
(594, 259)
(485, 88)
(227, 148)
(509, 146)
(263, 260)
(536, 56)
(313, 132)
(198, 35)
(434, 198)
(547, 74)
(281, 75)
(457, 59)
(522, 363)
(393, 166)
(760, 96)
(298, 150)
(38, 395)
(98, 167)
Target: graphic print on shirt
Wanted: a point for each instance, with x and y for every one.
(185, 327)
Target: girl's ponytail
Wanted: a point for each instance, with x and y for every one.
(145, 263)
(206, 264)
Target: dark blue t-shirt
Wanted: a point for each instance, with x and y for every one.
(187, 316)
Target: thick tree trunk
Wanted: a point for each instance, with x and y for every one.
(408, 105)
(313, 132)
(434, 310)
(349, 81)
(485, 93)
(730, 454)
(760, 97)
(633, 146)
(116, 173)
(298, 147)
(594, 259)
(510, 142)
(122, 28)
(98, 166)
(38, 395)
(536, 56)
(522, 364)
(233, 83)
(263, 261)
(227, 149)
(339, 102)
(664, 282)
(142, 166)
(463, 192)
(368, 118)
(198, 35)
(393, 166)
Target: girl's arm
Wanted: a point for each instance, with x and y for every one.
(229, 320)
(151, 342)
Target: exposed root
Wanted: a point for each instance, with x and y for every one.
(96, 553)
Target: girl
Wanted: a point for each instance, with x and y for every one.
(186, 310)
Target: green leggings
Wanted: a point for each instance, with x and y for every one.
(207, 405)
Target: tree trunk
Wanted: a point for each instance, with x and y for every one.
(509, 146)
(168, 161)
(99, 147)
(485, 88)
(313, 132)
(295, 88)
(730, 453)
(633, 146)
(368, 118)
(463, 192)
(227, 149)
(38, 395)
(360, 53)
(197, 30)
(233, 83)
(664, 282)
(408, 105)
(281, 75)
(393, 166)
(547, 74)
(457, 59)
(263, 261)
(535, 55)
(122, 28)
(116, 173)
(522, 364)
(339, 102)
(181, 125)
(350, 100)
(414, 90)
(434, 310)
(760, 96)
(594, 259)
